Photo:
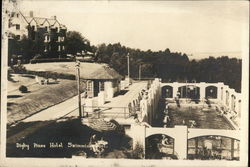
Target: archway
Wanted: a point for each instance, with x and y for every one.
(189, 91)
(167, 91)
(211, 92)
(213, 147)
(227, 98)
(233, 102)
(159, 146)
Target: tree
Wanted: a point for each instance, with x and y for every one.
(76, 43)
(23, 89)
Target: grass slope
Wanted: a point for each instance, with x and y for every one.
(38, 100)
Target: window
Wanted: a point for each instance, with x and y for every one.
(101, 86)
(17, 26)
(59, 48)
(17, 15)
(58, 39)
(62, 39)
(18, 37)
(63, 48)
(89, 86)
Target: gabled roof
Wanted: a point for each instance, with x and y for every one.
(51, 21)
(40, 21)
(87, 70)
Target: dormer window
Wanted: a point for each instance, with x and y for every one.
(46, 38)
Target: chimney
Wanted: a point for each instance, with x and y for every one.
(53, 17)
(31, 14)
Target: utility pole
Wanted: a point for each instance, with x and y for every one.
(139, 72)
(78, 88)
(128, 69)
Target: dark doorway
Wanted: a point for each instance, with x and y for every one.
(167, 91)
(189, 91)
(96, 88)
(211, 92)
(160, 146)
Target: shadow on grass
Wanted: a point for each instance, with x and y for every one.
(29, 76)
(59, 133)
(14, 96)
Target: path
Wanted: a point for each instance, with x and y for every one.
(70, 106)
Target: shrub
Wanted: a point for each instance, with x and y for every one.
(23, 89)
(33, 61)
(19, 69)
(138, 152)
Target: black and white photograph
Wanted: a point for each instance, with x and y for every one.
(146, 82)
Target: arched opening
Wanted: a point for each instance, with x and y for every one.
(167, 91)
(227, 98)
(211, 92)
(159, 146)
(233, 102)
(213, 148)
(189, 91)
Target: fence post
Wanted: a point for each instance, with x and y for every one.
(124, 109)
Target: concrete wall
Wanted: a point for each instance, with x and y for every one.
(149, 102)
(180, 134)
(227, 97)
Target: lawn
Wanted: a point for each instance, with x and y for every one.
(39, 97)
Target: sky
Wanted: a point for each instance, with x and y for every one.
(182, 26)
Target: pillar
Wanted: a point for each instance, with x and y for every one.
(180, 142)
(108, 87)
(101, 98)
(202, 90)
(219, 92)
(144, 110)
(175, 89)
(138, 134)
(232, 148)
(89, 104)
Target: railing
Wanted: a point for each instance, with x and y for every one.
(108, 112)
